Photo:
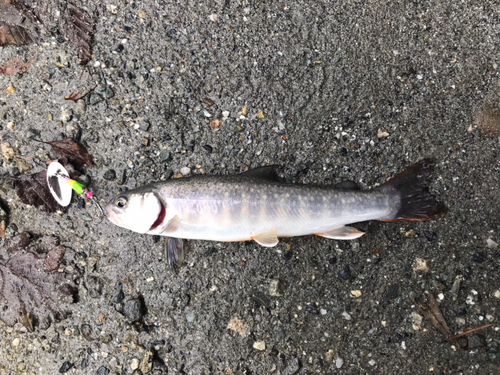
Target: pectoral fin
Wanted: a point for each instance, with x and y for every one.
(172, 224)
(267, 239)
(174, 251)
(341, 233)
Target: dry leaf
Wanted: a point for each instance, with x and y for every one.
(75, 96)
(12, 34)
(79, 31)
(433, 314)
(28, 293)
(14, 66)
(72, 150)
(33, 190)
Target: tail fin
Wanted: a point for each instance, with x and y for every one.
(416, 202)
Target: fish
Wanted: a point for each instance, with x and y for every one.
(256, 205)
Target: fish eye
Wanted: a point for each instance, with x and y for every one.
(121, 201)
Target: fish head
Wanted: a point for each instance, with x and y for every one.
(137, 210)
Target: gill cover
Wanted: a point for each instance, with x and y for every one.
(138, 212)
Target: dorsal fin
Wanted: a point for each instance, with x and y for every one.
(269, 172)
(347, 185)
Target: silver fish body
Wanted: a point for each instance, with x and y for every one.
(240, 208)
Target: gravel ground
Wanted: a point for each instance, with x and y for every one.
(331, 91)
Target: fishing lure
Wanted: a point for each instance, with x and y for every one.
(61, 186)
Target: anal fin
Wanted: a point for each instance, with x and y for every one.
(267, 239)
(341, 233)
(174, 251)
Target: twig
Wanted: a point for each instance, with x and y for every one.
(467, 332)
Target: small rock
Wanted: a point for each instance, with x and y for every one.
(10, 90)
(346, 315)
(292, 367)
(372, 362)
(244, 111)
(261, 115)
(345, 272)
(356, 293)
(119, 297)
(107, 92)
(339, 362)
(147, 361)
(95, 98)
(429, 235)
(16, 342)
(225, 115)
(66, 366)
(103, 370)
(185, 171)
(491, 244)
(497, 294)
(275, 288)
(420, 265)
(216, 123)
(134, 309)
(123, 177)
(208, 148)
(66, 115)
(134, 364)
(143, 14)
(208, 101)
(259, 345)
(81, 106)
(411, 233)
(109, 175)
(32, 133)
(476, 341)
(382, 134)
(494, 354)
(213, 17)
(392, 292)
(238, 128)
(8, 151)
(23, 166)
(10, 125)
(190, 317)
(239, 326)
(86, 331)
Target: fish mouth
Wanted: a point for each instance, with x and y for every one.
(113, 216)
(161, 216)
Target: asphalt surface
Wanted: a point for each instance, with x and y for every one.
(354, 90)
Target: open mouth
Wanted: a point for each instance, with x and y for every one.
(161, 216)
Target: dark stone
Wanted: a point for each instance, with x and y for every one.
(208, 148)
(332, 260)
(119, 297)
(392, 292)
(478, 257)
(119, 48)
(86, 331)
(190, 147)
(494, 354)
(123, 177)
(103, 370)
(94, 286)
(311, 309)
(345, 272)
(109, 175)
(134, 309)
(32, 133)
(288, 255)
(66, 366)
(429, 235)
(95, 98)
(476, 341)
(343, 151)
(81, 204)
(85, 362)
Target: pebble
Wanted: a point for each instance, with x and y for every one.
(261, 115)
(21, 366)
(68, 332)
(10, 90)
(107, 92)
(494, 354)
(491, 244)
(497, 294)
(134, 364)
(81, 106)
(103, 370)
(185, 171)
(66, 366)
(95, 98)
(244, 110)
(147, 361)
(216, 123)
(213, 17)
(420, 265)
(109, 175)
(339, 362)
(476, 341)
(119, 297)
(372, 362)
(190, 317)
(10, 125)
(259, 345)
(208, 148)
(32, 133)
(225, 115)
(23, 166)
(345, 272)
(123, 177)
(238, 128)
(382, 134)
(66, 115)
(346, 315)
(134, 309)
(16, 342)
(275, 288)
(86, 331)
(356, 293)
